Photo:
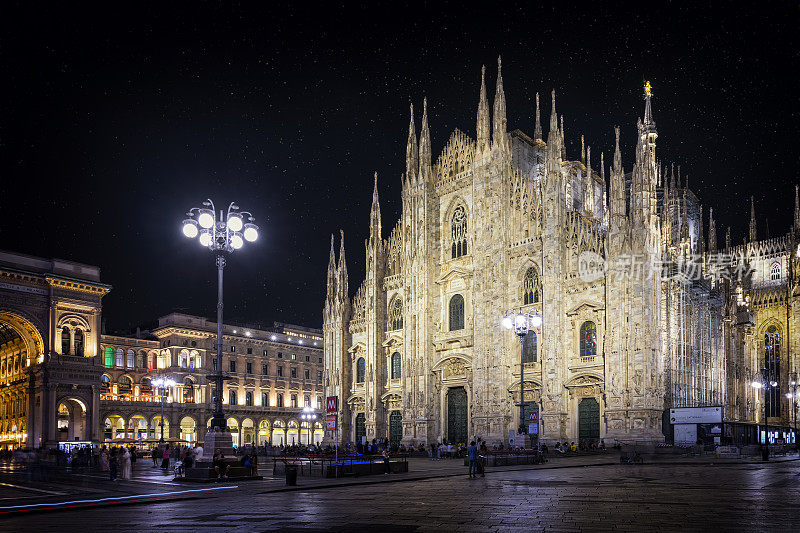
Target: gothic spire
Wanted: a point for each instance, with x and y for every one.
(553, 137)
(603, 168)
(712, 232)
(583, 151)
(483, 115)
(617, 185)
(589, 194)
(672, 178)
(752, 220)
(375, 212)
(331, 272)
(499, 130)
(425, 143)
(342, 290)
(563, 142)
(701, 242)
(649, 123)
(728, 238)
(412, 149)
(537, 132)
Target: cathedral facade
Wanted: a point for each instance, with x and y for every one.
(639, 311)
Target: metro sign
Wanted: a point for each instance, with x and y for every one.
(533, 416)
(333, 404)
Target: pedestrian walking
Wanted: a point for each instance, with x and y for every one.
(387, 469)
(113, 464)
(472, 456)
(156, 455)
(104, 459)
(165, 458)
(125, 464)
(133, 458)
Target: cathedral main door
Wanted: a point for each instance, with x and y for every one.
(395, 428)
(361, 426)
(457, 415)
(588, 419)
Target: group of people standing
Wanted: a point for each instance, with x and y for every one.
(118, 461)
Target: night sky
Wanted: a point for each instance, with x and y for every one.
(114, 123)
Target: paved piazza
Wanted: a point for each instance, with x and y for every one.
(737, 497)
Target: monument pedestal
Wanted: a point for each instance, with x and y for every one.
(218, 439)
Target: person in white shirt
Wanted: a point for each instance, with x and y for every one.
(198, 453)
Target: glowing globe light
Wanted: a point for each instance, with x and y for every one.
(190, 230)
(507, 322)
(250, 233)
(235, 223)
(205, 220)
(205, 239)
(236, 242)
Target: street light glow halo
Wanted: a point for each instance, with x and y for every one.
(206, 220)
(190, 229)
(235, 223)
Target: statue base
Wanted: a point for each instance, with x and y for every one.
(217, 439)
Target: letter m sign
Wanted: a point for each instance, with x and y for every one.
(333, 404)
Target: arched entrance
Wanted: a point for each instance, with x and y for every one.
(71, 423)
(361, 426)
(319, 433)
(278, 433)
(137, 427)
(157, 427)
(248, 431)
(233, 427)
(457, 415)
(188, 430)
(263, 433)
(114, 427)
(395, 428)
(292, 433)
(20, 347)
(588, 419)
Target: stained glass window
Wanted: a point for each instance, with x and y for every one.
(588, 339)
(396, 365)
(360, 370)
(530, 287)
(396, 314)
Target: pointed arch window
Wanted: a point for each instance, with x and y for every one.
(458, 229)
(775, 271)
(529, 348)
(530, 287)
(65, 341)
(456, 309)
(588, 339)
(772, 366)
(396, 314)
(360, 370)
(396, 365)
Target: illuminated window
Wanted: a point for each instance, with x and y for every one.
(248, 398)
(264, 399)
(188, 391)
(530, 287)
(105, 383)
(458, 228)
(588, 339)
(775, 271)
(456, 312)
(232, 397)
(130, 359)
(109, 357)
(294, 400)
(307, 401)
(78, 342)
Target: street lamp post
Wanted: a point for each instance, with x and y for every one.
(309, 415)
(765, 383)
(222, 235)
(521, 322)
(163, 383)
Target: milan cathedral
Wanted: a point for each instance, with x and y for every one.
(641, 309)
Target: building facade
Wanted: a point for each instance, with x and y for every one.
(272, 374)
(640, 312)
(61, 379)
